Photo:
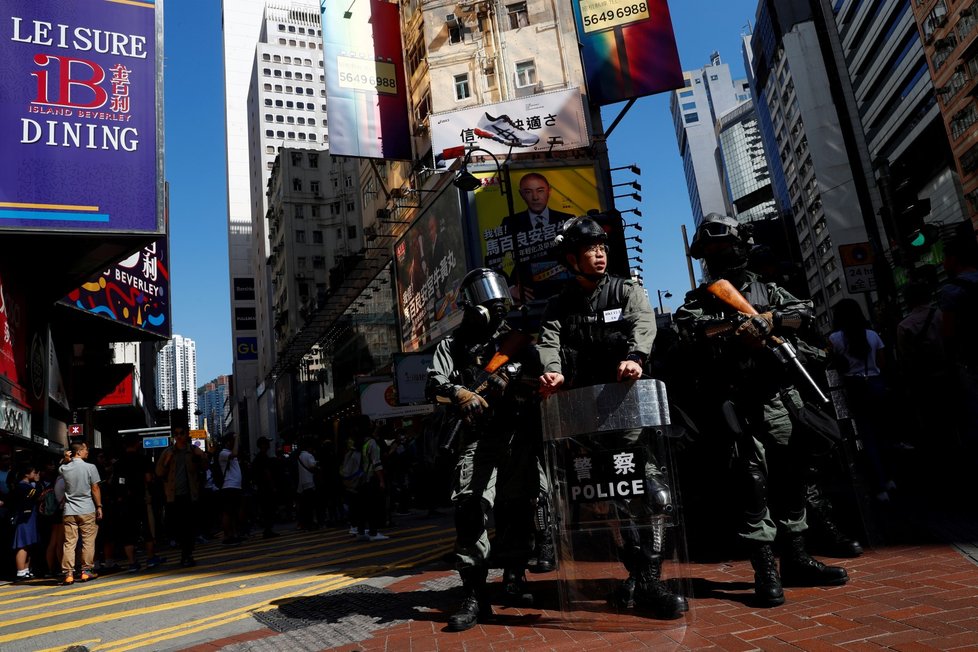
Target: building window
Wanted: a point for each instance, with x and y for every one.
(300, 236)
(714, 78)
(351, 231)
(350, 207)
(317, 237)
(526, 73)
(300, 262)
(462, 86)
(299, 213)
(314, 209)
(319, 262)
(689, 105)
(314, 186)
(296, 161)
(518, 16)
(297, 185)
(691, 118)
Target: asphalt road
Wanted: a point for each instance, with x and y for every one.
(172, 608)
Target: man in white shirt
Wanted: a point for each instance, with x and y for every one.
(230, 491)
(83, 508)
(306, 487)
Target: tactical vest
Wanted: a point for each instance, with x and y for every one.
(594, 340)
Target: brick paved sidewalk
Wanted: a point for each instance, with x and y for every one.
(910, 597)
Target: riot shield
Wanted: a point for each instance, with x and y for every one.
(616, 518)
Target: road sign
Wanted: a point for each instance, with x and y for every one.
(857, 264)
(156, 442)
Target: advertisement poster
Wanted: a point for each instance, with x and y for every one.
(538, 123)
(366, 94)
(521, 246)
(430, 263)
(79, 116)
(12, 332)
(411, 376)
(378, 400)
(135, 292)
(628, 48)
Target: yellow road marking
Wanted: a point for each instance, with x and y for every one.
(62, 648)
(81, 622)
(177, 575)
(240, 613)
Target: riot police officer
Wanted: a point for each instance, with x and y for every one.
(478, 370)
(748, 392)
(599, 330)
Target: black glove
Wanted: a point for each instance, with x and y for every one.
(755, 330)
(470, 403)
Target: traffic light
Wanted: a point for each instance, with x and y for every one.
(918, 236)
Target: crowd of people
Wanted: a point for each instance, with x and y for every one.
(112, 510)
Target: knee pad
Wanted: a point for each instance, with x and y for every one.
(755, 490)
(661, 497)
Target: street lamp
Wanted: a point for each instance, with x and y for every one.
(663, 293)
(634, 184)
(636, 238)
(636, 226)
(633, 195)
(634, 169)
(635, 248)
(637, 212)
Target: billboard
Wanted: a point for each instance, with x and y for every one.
(628, 48)
(135, 291)
(378, 400)
(521, 245)
(13, 333)
(366, 94)
(429, 262)
(411, 376)
(246, 348)
(538, 123)
(80, 123)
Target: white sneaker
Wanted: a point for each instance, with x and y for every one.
(378, 537)
(354, 532)
(503, 130)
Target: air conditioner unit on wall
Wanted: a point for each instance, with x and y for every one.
(451, 19)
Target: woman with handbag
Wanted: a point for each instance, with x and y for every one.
(859, 354)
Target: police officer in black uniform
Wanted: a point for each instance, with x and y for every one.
(492, 402)
(743, 387)
(599, 330)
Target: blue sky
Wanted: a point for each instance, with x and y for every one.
(193, 98)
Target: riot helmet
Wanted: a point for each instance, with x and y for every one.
(722, 243)
(485, 293)
(575, 233)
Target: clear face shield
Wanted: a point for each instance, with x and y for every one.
(487, 290)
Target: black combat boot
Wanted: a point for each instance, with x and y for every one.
(546, 554)
(474, 605)
(767, 582)
(652, 593)
(799, 569)
(825, 535)
(515, 588)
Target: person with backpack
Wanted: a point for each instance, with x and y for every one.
(133, 474)
(959, 305)
(227, 478)
(307, 466)
(180, 467)
(351, 477)
(371, 495)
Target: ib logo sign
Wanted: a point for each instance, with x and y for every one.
(247, 348)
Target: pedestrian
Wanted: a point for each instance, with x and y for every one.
(52, 510)
(600, 330)
(134, 473)
(959, 307)
(83, 510)
(372, 493)
(859, 352)
(486, 424)
(263, 476)
(306, 469)
(24, 500)
(180, 467)
(230, 492)
(740, 388)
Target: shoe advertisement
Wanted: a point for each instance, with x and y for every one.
(542, 122)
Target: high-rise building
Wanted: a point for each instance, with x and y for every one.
(710, 92)
(898, 107)
(176, 375)
(743, 165)
(810, 123)
(214, 406)
(949, 31)
(272, 79)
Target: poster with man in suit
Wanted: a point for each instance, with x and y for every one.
(521, 245)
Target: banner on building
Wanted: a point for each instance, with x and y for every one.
(378, 400)
(537, 123)
(13, 333)
(135, 291)
(628, 48)
(118, 387)
(366, 93)
(430, 263)
(521, 246)
(80, 117)
(246, 348)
